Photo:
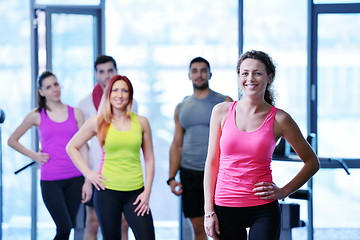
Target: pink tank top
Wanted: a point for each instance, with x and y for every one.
(245, 159)
(53, 137)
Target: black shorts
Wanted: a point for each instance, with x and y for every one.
(263, 221)
(193, 192)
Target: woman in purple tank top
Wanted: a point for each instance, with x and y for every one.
(61, 182)
(238, 186)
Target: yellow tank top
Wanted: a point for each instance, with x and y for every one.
(121, 160)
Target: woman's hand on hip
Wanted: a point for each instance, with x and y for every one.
(96, 179)
(266, 190)
(41, 157)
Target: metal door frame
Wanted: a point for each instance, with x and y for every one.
(98, 12)
(314, 10)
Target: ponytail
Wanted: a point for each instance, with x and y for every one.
(42, 99)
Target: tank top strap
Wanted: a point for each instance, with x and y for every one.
(232, 106)
(136, 126)
(43, 116)
(42, 112)
(133, 117)
(71, 113)
(272, 113)
(230, 118)
(270, 118)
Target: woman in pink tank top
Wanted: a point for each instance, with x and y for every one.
(61, 182)
(238, 185)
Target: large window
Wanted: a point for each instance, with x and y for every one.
(282, 32)
(15, 95)
(153, 43)
(338, 122)
(72, 40)
(286, 43)
(339, 85)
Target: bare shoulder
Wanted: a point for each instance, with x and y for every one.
(33, 117)
(78, 113)
(144, 123)
(34, 113)
(284, 124)
(142, 120)
(219, 113)
(282, 117)
(221, 108)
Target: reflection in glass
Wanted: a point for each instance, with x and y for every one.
(338, 123)
(72, 55)
(339, 86)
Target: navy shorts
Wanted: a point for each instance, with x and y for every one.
(193, 192)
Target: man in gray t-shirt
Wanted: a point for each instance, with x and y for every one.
(189, 147)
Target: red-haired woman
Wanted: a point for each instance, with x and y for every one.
(119, 181)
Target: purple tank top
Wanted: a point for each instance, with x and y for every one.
(245, 159)
(53, 138)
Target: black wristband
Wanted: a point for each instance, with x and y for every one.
(169, 180)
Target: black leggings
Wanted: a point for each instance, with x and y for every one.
(263, 221)
(109, 206)
(62, 199)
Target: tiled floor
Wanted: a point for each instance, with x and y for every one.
(166, 231)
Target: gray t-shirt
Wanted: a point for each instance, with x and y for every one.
(194, 116)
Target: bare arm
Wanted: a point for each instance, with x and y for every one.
(287, 128)
(175, 154)
(218, 116)
(292, 134)
(147, 147)
(85, 133)
(80, 121)
(86, 189)
(32, 119)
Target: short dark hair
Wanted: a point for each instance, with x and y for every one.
(200, 59)
(104, 59)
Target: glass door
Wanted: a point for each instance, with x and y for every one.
(337, 113)
(338, 119)
(71, 50)
(68, 39)
(338, 85)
